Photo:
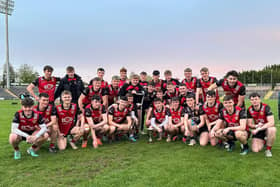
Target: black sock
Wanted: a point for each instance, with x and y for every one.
(246, 146)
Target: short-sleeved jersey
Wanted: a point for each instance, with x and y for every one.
(118, 115)
(194, 114)
(176, 115)
(232, 120)
(66, 118)
(204, 85)
(112, 94)
(49, 111)
(94, 113)
(28, 124)
(46, 86)
(261, 115)
(159, 115)
(158, 84)
(212, 112)
(191, 85)
(89, 92)
(167, 95)
(175, 82)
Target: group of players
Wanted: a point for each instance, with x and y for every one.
(189, 110)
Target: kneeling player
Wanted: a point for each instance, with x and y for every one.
(176, 116)
(211, 109)
(231, 125)
(96, 119)
(67, 115)
(48, 113)
(261, 120)
(27, 125)
(195, 122)
(159, 119)
(119, 119)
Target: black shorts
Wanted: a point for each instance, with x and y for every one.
(231, 135)
(27, 132)
(260, 135)
(202, 129)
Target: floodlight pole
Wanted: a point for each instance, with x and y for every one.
(7, 48)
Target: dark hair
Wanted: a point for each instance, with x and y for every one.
(27, 102)
(151, 83)
(96, 97)
(44, 95)
(211, 93)
(254, 94)
(175, 99)
(204, 69)
(143, 73)
(123, 69)
(188, 70)
(156, 72)
(159, 91)
(124, 98)
(49, 68)
(190, 95)
(170, 83)
(100, 69)
(232, 73)
(70, 69)
(157, 99)
(129, 95)
(228, 97)
(182, 84)
(167, 72)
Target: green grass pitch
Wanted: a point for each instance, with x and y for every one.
(139, 164)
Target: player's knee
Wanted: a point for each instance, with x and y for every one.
(271, 131)
(255, 149)
(13, 138)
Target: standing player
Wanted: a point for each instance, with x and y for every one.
(156, 80)
(176, 115)
(159, 120)
(96, 119)
(100, 74)
(183, 94)
(143, 80)
(113, 90)
(232, 86)
(203, 84)
(261, 121)
(168, 78)
(190, 81)
(231, 125)
(123, 77)
(66, 117)
(195, 122)
(27, 125)
(48, 112)
(71, 82)
(119, 118)
(212, 109)
(45, 84)
(90, 91)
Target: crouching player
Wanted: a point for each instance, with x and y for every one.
(195, 122)
(176, 115)
(95, 121)
(27, 125)
(159, 120)
(211, 109)
(119, 119)
(261, 121)
(231, 125)
(48, 113)
(66, 117)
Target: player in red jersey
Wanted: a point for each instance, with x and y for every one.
(176, 119)
(91, 90)
(123, 77)
(159, 120)
(195, 122)
(190, 81)
(156, 80)
(133, 114)
(168, 78)
(183, 94)
(67, 121)
(48, 113)
(232, 86)
(113, 90)
(119, 118)
(171, 91)
(143, 80)
(96, 119)
(45, 84)
(203, 84)
(212, 109)
(27, 125)
(100, 74)
(261, 121)
(232, 125)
